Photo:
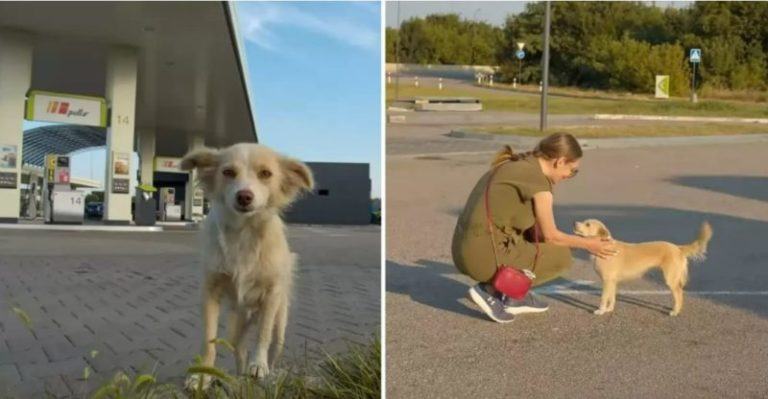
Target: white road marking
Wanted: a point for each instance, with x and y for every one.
(562, 291)
(81, 227)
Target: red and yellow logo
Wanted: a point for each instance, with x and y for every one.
(58, 107)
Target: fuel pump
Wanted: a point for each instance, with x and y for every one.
(61, 204)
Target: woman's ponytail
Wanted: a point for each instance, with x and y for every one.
(554, 146)
(507, 154)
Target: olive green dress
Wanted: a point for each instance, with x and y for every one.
(510, 197)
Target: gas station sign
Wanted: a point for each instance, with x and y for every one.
(8, 161)
(66, 108)
(168, 164)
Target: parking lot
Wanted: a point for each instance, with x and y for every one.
(135, 298)
(440, 345)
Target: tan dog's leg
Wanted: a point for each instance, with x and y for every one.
(259, 367)
(608, 298)
(677, 294)
(238, 328)
(281, 319)
(211, 308)
(673, 275)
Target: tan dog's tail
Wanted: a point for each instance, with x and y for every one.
(697, 250)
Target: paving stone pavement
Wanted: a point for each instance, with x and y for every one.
(134, 298)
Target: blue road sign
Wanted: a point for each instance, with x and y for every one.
(520, 54)
(695, 55)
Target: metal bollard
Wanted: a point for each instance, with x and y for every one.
(541, 86)
(416, 81)
(439, 83)
(514, 83)
(490, 81)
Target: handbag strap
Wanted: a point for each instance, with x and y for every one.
(489, 223)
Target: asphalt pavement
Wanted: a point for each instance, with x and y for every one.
(439, 345)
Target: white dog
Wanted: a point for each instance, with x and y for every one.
(246, 258)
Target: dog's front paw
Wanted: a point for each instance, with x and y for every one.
(258, 369)
(197, 381)
(674, 313)
(600, 312)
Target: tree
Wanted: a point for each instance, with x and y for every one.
(611, 45)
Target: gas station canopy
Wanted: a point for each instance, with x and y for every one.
(155, 78)
(59, 139)
(191, 80)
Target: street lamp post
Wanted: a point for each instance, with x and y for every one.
(545, 67)
(397, 55)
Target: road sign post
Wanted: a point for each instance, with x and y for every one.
(695, 59)
(519, 54)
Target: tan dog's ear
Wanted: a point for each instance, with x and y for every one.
(296, 177)
(603, 232)
(200, 158)
(205, 160)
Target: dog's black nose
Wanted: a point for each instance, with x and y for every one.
(244, 197)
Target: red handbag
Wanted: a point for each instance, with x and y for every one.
(509, 280)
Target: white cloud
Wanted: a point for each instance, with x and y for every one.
(258, 21)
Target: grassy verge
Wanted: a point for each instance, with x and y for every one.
(354, 374)
(574, 101)
(659, 129)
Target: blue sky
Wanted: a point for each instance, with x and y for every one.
(315, 82)
(315, 77)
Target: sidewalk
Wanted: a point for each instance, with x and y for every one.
(135, 299)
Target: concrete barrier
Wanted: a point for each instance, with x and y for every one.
(679, 118)
(447, 104)
(466, 72)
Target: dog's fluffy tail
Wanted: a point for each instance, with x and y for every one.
(697, 250)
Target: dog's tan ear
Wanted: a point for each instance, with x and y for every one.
(200, 158)
(297, 177)
(603, 232)
(205, 160)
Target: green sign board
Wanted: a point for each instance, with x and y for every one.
(662, 86)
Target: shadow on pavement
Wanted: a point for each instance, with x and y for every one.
(752, 187)
(428, 283)
(735, 264)
(735, 259)
(591, 306)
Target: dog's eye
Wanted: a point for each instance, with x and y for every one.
(265, 174)
(587, 224)
(229, 172)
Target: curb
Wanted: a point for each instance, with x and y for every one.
(80, 227)
(678, 118)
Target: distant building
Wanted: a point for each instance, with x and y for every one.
(342, 195)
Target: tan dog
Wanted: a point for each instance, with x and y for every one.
(246, 258)
(633, 260)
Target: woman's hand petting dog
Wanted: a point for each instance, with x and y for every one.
(602, 247)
